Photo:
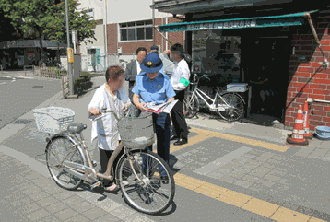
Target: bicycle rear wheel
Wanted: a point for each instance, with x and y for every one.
(147, 192)
(190, 107)
(234, 109)
(59, 149)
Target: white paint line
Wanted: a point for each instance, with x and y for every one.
(220, 162)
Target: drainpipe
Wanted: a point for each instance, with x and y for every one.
(309, 18)
(105, 35)
(162, 45)
(310, 100)
(153, 21)
(166, 34)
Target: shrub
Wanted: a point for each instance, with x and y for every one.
(82, 84)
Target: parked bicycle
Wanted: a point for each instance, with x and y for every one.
(228, 105)
(137, 171)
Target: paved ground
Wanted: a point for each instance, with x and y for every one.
(227, 172)
(19, 95)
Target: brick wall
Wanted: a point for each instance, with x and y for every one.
(130, 47)
(308, 79)
(112, 38)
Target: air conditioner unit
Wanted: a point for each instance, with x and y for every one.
(120, 50)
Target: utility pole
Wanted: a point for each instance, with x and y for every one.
(105, 35)
(71, 96)
(153, 22)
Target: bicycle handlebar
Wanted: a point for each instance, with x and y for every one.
(93, 117)
(203, 76)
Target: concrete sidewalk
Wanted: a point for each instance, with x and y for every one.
(40, 199)
(30, 195)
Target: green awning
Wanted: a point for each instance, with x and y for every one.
(238, 23)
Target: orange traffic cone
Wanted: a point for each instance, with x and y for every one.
(297, 136)
(307, 133)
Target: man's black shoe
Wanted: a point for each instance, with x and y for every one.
(164, 179)
(180, 142)
(175, 137)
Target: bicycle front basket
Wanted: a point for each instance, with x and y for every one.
(137, 132)
(53, 119)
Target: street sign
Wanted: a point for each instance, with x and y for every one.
(98, 56)
(70, 55)
(74, 39)
(74, 35)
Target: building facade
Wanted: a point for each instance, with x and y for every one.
(127, 28)
(267, 44)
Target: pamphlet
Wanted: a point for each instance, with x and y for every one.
(163, 107)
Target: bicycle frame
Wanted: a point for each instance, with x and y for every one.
(83, 172)
(197, 93)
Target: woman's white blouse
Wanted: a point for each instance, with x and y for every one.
(106, 128)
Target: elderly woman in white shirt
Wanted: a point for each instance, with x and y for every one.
(111, 96)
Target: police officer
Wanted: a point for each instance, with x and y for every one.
(154, 86)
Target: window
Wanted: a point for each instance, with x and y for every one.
(136, 31)
(90, 13)
(91, 51)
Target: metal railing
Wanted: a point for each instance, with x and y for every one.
(111, 59)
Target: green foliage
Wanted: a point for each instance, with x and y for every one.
(82, 84)
(28, 16)
(55, 28)
(41, 18)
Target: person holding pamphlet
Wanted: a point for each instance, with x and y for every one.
(153, 87)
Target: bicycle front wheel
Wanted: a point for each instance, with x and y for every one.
(151, 190)
(233, 110)
(190, 107)
(59, 149)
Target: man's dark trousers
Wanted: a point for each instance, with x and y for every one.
(130, 87)
(162, 126)
(178, 120)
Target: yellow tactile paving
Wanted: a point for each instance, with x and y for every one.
(260, 207)
(211, 190)
(192, 140)
(241, 140)
(187, 182)
(246, 202)
(284, 214)
(234, 198)
(313, 219)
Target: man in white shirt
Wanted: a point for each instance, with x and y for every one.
(179, 80)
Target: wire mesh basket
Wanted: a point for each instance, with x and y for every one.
(52, 119)
(137, 132)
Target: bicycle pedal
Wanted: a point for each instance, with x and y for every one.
(94, 163)
(96, 184)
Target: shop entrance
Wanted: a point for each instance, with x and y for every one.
(267, 70)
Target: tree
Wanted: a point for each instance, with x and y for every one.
(55, 28)
(7, 31)
(27, 16)
(44, 20)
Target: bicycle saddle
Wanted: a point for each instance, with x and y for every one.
(76, 127)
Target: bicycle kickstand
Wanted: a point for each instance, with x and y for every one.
(95, 184)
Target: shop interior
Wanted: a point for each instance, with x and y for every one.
(234, 56)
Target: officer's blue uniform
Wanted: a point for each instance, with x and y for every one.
(158, 90)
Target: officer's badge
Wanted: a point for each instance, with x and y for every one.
(159, 86)
(149, 63)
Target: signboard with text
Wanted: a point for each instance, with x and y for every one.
(223, 25)
(70, 55)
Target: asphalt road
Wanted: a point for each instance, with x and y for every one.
(20, 95)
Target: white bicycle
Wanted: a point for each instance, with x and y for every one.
(228, 105)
